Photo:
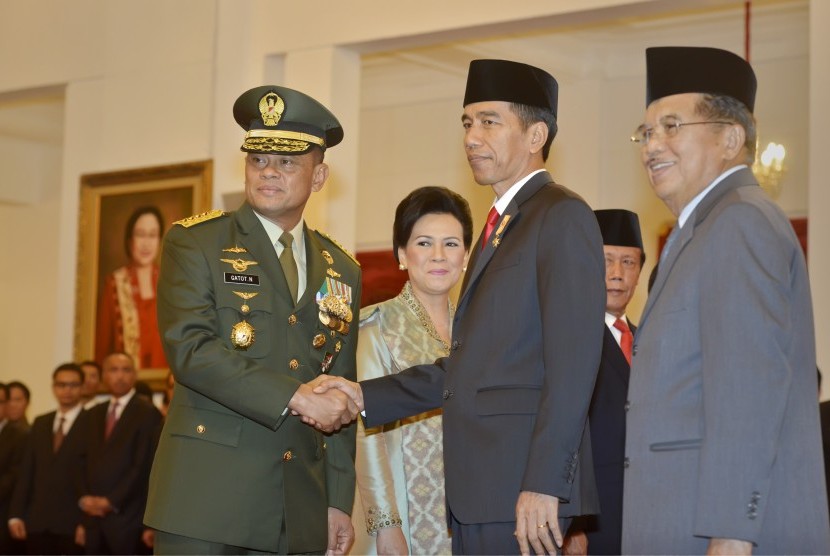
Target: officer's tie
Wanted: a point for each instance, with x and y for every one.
(289, 265)
(627, 338)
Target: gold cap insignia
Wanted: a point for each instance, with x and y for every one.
(271, 106)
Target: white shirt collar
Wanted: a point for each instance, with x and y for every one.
(689, 208)
(502, 202)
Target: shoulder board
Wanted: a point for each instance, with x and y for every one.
(199, 218)
(334, 242)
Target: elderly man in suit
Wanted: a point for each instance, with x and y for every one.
(723, 450)
(252, 305)
(624, 259)
(44, 509)
(526, 337)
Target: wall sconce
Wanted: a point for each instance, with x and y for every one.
(769, 168)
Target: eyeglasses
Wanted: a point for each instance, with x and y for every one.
(643, 134)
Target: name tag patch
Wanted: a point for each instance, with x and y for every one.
(233, 278)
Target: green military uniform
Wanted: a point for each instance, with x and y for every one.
(233, 466)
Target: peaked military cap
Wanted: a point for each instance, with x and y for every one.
(672, 70)
(619, 227)
(509, 81)
(280, 120)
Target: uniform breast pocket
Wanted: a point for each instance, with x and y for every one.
(207, 425)
(504, 260)
(245, 324)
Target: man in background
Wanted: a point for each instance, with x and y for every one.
(624, 259)
(12, 442)
(723, 449)
(17, 404)
(121, 437)
(44, 509)
(92, 384)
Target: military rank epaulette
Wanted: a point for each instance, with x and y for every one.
(336, 244)
(199, 218)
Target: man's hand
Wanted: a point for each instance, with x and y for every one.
(80, 535)
(576, 544)
(148, 537)
(536, 520)
(327, 412)
(391, 542)
(17, 529)
(341, 532)
(729, 546)
(96, 506)
(324, 383)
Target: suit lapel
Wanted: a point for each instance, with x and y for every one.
(481, 256)
(315, 268)
(740, 178)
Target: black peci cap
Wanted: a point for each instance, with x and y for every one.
(509, 81)
(619, 227)
(280, 120)
(672, 70)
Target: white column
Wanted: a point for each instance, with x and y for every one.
(332, 76)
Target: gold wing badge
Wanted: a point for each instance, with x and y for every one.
(239, 265)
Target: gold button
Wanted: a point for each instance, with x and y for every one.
(200, 429)
(293, 364)
(292, 320)
(287, 456)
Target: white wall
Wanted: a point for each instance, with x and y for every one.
(152, 82)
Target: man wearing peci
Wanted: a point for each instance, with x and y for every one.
(624, 259)
(252, 305)
(526, 336)
(723, 449)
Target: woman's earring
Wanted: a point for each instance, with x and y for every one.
(401, 267)
(464, 268)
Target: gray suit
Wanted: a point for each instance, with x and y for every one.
(723, 429)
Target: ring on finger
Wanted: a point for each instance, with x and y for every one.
(542, 526)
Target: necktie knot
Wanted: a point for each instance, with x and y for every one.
(287, 240)
(492, 218)
(626, 339)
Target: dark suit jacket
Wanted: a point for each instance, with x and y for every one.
(232, 467)
(824, 409)
(118, 468)
(526, 346)
(607, 422)
(12, 444)
(46, 494)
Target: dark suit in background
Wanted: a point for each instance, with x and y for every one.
(46, 494)
(12, 443)
(118, 469)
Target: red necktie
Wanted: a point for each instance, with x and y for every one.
(627, 339)
(492, 218)
(57, 438)
(112, 418)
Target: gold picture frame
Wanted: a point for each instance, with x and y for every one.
(106, 251)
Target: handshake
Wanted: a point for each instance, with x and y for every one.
(327, 402)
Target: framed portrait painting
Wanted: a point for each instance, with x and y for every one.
(123, 218)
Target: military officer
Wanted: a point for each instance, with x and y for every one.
(252, 305)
